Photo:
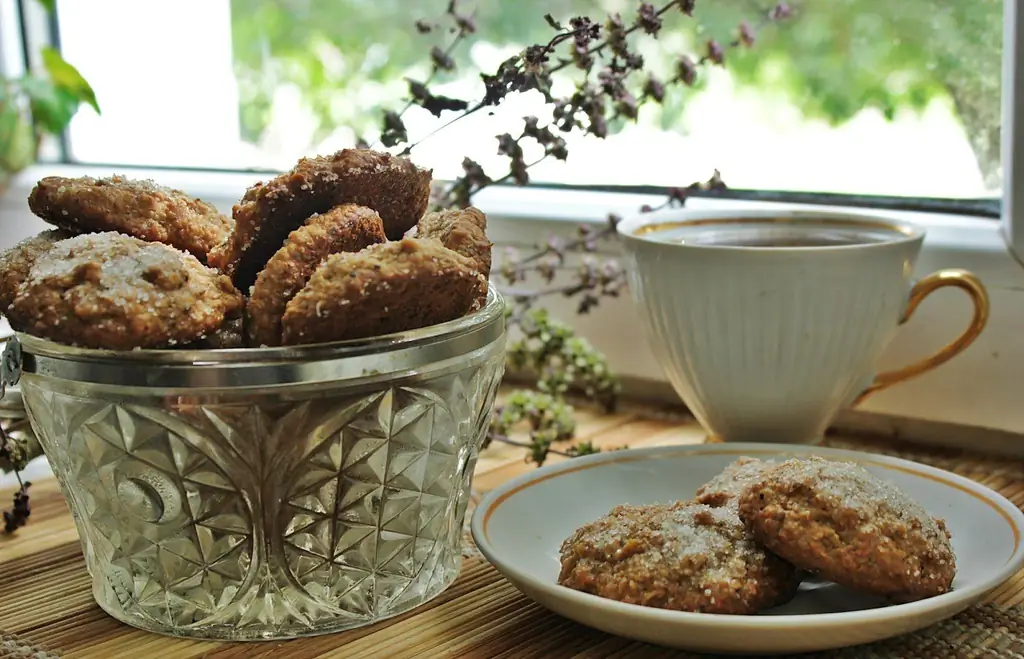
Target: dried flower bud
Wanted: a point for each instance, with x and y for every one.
(626, 106)
(611, 272)
(648, 18)
(362, 143)
(417, 90)
(423, 27)
(394, 131)
(475, 174)
(780, 12)
(613, 221)
(548, 267)
(678, 196)
(19, 513)
(598, 126)
(584, 28)
(686, 70)
(686, 6)
(555, 25)
(647, 208)
(715, 52)
(616, 35)
(587, 302)
(581, 57)
(715, 182)
(434, 104)
(520, 172)
(747, 36)
(442, 61)
(654, 89)
(466, 24)
(509, 146)
(610, 81)
(558, 149)
(535, 57)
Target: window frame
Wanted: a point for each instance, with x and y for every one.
(1012, 214)
(963, 403)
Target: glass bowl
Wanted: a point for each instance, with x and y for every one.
(267, 493)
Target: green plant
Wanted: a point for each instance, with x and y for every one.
(32, 106)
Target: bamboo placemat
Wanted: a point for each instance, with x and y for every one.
(46, 608)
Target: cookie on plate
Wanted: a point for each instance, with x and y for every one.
(683, 556)
(839, 521)
(727, 486)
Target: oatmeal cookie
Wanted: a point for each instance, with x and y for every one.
(684, 556)
(463, 231)
(108, 290)
(391, 287)
(838, 520)
(727, 486)
(137, 208)
(17, 262)
(345, 228)
(394, 187)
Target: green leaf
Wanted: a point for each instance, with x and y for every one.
(49, 5)
(52, 107)
(68, 78)
(17, 143)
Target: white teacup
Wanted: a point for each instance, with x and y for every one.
(768, 323)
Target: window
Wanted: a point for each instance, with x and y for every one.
(867, 97)
(859, 98)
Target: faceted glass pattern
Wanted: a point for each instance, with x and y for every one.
(273, 514)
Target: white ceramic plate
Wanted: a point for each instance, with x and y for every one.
(520, 526)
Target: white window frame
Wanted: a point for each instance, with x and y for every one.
(973, 400)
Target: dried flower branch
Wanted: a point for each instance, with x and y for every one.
(611, 85)
(13, 454)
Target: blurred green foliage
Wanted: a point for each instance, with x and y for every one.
(832, 59)
(34, 105)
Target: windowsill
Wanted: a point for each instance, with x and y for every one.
(974, 398)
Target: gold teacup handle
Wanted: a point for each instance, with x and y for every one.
(958, 279)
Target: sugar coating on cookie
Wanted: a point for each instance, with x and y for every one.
(383, 289)
(17, 262)
(727, 486)
(344, 228)
(112, 291)
(136, 207)
(462, 230)
(845, 524)
(684, 556)
(393, 186)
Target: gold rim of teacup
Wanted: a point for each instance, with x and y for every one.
(646, 228)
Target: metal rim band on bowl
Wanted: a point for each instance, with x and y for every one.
(259, 367)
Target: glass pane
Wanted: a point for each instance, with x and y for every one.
(850, 96)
